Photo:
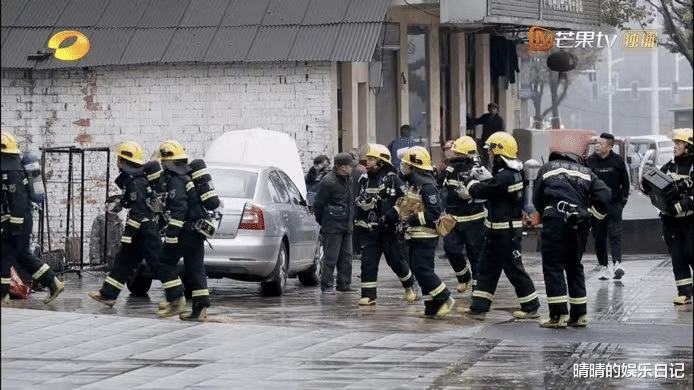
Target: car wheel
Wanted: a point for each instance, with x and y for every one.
(139, 281)
(277, 282)
(311, 277)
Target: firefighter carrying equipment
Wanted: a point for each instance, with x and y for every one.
(380, 152)
(418, 157)
(503, 144)
(131, 151)
(172, 150)
(465, 145)
(9, 144)
(203, 183)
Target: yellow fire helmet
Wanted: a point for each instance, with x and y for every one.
(418, 157)
(684, 135)
(9, 144)
(503, 144)
(131, 151)
(172, 150)
(465, 145)
(380, 152)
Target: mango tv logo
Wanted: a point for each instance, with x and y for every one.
(75, 51)
(540, 39)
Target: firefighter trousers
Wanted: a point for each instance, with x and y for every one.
(145, 243)
(467, 236)
(16, 250)
(501, 251)
(375, 244)
(562, 251)
(190, 247)
(679, 236)
(422, 253)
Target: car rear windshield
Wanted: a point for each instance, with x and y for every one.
(231, 183)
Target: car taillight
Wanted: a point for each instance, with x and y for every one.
(252, 218)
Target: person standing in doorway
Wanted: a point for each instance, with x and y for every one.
(491, 123)
(334, 210)
(405, 141)
(610, 168)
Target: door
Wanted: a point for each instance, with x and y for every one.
(306, 226)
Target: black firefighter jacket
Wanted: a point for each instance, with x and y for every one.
(334, 204)
(16, 212)
(456, 172)
(504, 192)
(564, 180)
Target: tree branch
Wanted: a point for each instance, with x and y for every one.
(676, 34)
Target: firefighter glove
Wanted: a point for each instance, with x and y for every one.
(462, 192)
(366, 202)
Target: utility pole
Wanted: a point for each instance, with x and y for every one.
(655, 104)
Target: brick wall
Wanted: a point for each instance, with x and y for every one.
(193, 104)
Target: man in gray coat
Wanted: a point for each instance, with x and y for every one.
(334, 210)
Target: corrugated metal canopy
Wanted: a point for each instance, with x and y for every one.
(123, 32)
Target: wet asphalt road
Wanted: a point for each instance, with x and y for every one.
(308, 340)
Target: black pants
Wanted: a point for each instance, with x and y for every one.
(610, 226)
(422, 252)
(145, 243)
(15, 250)
(679, 236)
(467, 236)
(562, 250)
(190, 247)
(337, 253)
(375, 244)
(502, 252)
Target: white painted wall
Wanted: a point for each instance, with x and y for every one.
(193, 104)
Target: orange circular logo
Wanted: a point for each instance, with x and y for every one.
(74, 52)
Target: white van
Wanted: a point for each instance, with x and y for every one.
(649, 151)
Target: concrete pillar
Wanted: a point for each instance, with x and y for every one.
(434, 57)
(483, 91)
(403, 95)
(458, 101)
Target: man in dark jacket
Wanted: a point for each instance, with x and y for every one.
(610, 168)
(334, 210)
(566, 194)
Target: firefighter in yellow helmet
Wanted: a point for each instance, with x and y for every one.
(376, 218)
(468, 234)
(140, 238)
(678, 218)
(420, 207)
(502, 243)
(182, 239)
(17, 222)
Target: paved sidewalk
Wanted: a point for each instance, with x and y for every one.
(304, 340)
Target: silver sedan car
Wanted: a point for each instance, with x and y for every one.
(267, 232)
